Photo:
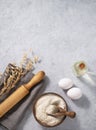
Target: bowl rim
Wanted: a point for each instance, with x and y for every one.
(34, 111)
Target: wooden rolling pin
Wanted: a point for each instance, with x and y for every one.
(20, 93)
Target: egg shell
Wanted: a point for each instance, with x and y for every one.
(74, 93)
(65, 83)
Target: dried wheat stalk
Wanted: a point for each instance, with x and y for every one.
(14, 73)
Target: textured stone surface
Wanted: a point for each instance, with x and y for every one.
(60, 32)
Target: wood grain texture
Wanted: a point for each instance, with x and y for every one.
(20, 93)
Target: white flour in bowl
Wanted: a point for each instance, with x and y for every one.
(47, 105)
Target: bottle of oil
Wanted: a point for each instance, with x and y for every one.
(80, 68)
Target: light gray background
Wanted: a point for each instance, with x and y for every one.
(61, 32)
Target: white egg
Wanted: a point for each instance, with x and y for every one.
(65, 83)
(74, 93)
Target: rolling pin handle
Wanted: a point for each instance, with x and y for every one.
(35, 80)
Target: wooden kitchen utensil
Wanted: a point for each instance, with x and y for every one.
(20, 93)
(62, 112)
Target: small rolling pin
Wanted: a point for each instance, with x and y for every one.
(20, 93)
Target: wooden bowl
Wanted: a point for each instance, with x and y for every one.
(34, 110)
